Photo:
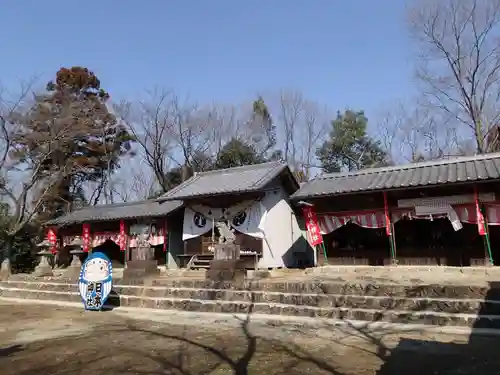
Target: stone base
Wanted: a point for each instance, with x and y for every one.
(72, 272)
(258, 274)
(43, 270)
(226, 270)
(137, 269)
(5, 269)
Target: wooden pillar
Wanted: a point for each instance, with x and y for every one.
(482, 227)
(320, 254)
(389, 230)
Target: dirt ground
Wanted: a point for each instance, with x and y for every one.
(44, 339)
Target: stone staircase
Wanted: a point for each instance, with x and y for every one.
(441, 305)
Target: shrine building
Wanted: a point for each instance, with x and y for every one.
(248, 206)
(444, 212)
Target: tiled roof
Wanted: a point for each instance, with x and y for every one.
(117, 211)
(455, 170)
(249, 178)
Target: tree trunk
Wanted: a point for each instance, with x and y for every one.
(6, 255)
(185, 173)
(7, 250)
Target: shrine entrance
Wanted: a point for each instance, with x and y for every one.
(112, 251)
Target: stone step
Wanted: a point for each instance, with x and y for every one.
(311, 299)
(239, 307)
(446, 305)
(202, 261)
(201, 264)
(343, 288)
(315, 287)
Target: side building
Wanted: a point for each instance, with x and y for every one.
(444, 212)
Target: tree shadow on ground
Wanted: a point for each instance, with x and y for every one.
(476, 355)
(255, 346)
(7, 351)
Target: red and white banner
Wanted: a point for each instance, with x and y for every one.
(312, 226)
(466, 214)
(153, 240)
(86, 237)
(52, 238)
(165, 236)
(387, 218)
(122, 239)
(329, 223)
(481, 226)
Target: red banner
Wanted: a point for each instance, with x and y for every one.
(481, 226)
(165, 236)
(52, 238)
(86, 237)
(123, 236)
(312, 226)
(388, 228)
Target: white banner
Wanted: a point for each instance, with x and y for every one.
(195, 224)
(251, 221)
(219, 214)
(247, 217)
(441, 208)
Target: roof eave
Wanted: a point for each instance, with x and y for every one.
(61, 224)
(198, 196)
(296, 196)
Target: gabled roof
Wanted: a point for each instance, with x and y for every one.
(109, 212)
(246, 179)
(432, 173)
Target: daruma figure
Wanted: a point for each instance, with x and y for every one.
(95, 282)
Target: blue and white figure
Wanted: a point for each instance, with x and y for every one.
(95, 281)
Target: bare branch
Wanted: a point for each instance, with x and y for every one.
(460, 63)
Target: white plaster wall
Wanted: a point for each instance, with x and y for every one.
(281, 232)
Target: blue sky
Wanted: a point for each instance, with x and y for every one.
(342, 53)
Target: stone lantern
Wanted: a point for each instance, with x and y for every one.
(44, 268)
(76, 252)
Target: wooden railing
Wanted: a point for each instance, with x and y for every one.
(192, 261)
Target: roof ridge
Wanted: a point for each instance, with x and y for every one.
(248, 166)
(112, 205)
(272, 171)
(180, 186)
(254, 177)
(454, 160)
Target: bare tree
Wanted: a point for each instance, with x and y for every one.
(11, 103)
(28, 174)
(138, 184)
(301, 126)
(291, 117)
(315, 128)
(176, 134)
(460, 63)
(413, 133)
(151, 121)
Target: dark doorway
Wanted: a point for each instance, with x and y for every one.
(112, 251)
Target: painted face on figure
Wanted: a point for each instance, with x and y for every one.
(96, 270)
